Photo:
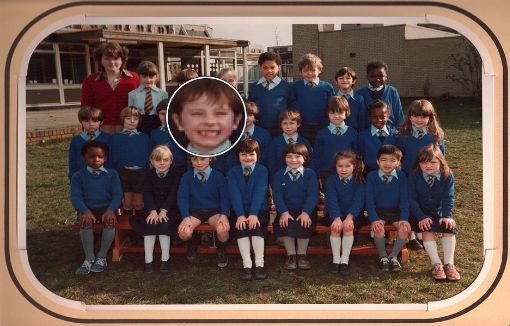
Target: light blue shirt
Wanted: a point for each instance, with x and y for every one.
(250, 130)
(370, 87)
(375, 131)
(272, 85)
(415, 131)
(207, 171)
(349, 94)
(300, 169)
(342, 178)
(223, 147)
(85, 134)
(135, 132)
(136, 98)
(315, 81)
(332, 127)
(102, 169)
(163, 127)
(164, 173)
(251, 167)
(391, 174)
(286, 137)
(436, 175)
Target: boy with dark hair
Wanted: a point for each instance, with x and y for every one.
(345, 78)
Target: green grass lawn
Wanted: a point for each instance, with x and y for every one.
(55, 251)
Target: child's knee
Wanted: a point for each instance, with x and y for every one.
(335, 234)
(402, 233)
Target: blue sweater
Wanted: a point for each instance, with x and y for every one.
(426, 201)
(380, 194)
(328, 144)
(225, 161)
(274, 156)
(159, 137)
(127, 150)
(95, 191)
(75, 162)
(358, 119)
(194, 194)
(410, 147)
(302, 194)
(391, 97)
(341, 199)
(271, 102)
(264, 139)
(311, 102)
(369, 145)
(248, 197)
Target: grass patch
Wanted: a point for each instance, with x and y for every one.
(54, 250)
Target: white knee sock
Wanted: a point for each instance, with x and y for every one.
(244, 250)
(336, 244)
(302, 246)
(164, 242)
(347, 242)
(448, 249)
(413, 235)
(290, 245)
(258, 248)
(148, 246)
(431, 249)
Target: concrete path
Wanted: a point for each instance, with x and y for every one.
(52, 119)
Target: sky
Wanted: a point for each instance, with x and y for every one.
(260, 35)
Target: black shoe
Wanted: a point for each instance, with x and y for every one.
(333, 268)
(191, 253)
(344, 269)
(221, 257)
(414, 244)
(394, 264)
(260, 273)
(147, 268)
(384, 264)
(245, 274)
(164, 267)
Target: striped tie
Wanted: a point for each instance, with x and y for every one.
(202, 175)
(247, 135)
(345, 181)
(147, 106)
(96, 172)
(246, 172)
(294, 175)
(338, 131)
(311, 84)
(268, 81)
(386, 179)
(290, 140)
(91, 135)
(161, 174)
(128, 132)
(430, 180)
(420, 134)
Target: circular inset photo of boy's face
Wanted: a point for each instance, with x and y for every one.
(206, 116)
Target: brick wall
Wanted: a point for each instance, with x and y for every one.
(40, 135)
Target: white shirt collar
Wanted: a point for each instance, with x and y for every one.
(223, 147)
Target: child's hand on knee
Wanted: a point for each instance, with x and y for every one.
(305, 219)
(284, 219)
(337, 225)
(162, 217)
(448, 222)
(377, 226)
(185, 225)
(425, 224)
(241, 222)
(222, 224)
(108, 218)
(404, 226)
(87, 219)
(253, 221)
(348, 224)
(152, 218)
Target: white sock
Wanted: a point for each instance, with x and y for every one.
(448, 249)
(336, 244)
(290, 245)
(420, 236)
(244, 250)
(431, 249)
(148, 246)
(164, 242)
(347, 242)
(302, 246)
(413, 235)
(258, 248)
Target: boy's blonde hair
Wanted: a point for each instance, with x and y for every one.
(427, 154)
(338, 104)
(425, 109)
(225, 70)
(310, 60)
(93, 113)
(185, 74)
(252, 108)
(160, 152)
(129, 111)
(291, 114)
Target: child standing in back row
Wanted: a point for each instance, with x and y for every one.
(255, 132)
(345, 78)
(431, 201)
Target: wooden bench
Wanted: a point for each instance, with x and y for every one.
(122, 242)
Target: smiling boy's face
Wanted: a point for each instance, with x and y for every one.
(207, 123)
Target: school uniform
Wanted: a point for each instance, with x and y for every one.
(371, 140)
(389, 95)
(274, 156)
(262, 137)
(247, 191)
(159, 193)
(75, 161)
(410, 144)
(358, 119)
(161, 136)
(225, 162)
(295, 197)
(138, 98)
(432, 199)
(390, 200)
(271, 101)
(344, 197)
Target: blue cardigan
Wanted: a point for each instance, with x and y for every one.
(369, 145)
(274, 156)
(426, 201)
(159, 137)
(248, 197)
(264, 139)
(75, 162)
(136, 98)
(328, 144)
(410, 147)
(391, 97)
(271, 102)
(95, 191)
(127, 150)
(380, 194)
(193, 193)
(311, 102)
(358, 119)
(341, 199)
(302, 194)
